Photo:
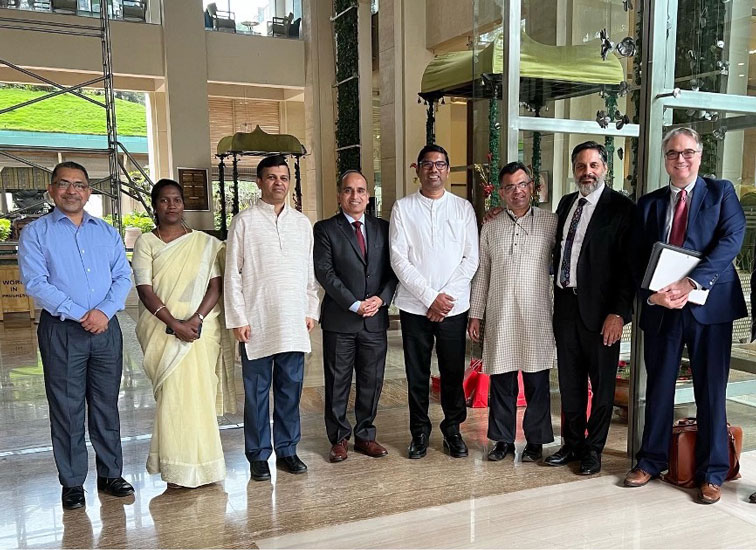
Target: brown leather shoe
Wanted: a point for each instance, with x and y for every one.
(752, 498)
(708, 493)
(370, 448)
(339, 451)
(637, 478)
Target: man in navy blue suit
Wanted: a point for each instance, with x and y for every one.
(705, 215)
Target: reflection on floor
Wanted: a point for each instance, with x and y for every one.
(323, 507)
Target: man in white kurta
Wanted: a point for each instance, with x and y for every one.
(434, 254)
(512, 291)
(271, 303)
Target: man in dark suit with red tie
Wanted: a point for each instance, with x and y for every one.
(351, 254)
(593, 296)
(704, 215)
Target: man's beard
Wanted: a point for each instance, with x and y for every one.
(588, 188)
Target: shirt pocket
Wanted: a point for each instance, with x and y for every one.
(455, 230)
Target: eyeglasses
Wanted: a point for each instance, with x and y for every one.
(509, 188)
(687, 154)
(65, 184)
(428, 164)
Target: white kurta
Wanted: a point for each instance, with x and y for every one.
(434, 249)
(269, 280)
(512, 289)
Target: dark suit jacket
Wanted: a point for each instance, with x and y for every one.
(347, 277)
(604, 271)
(716, 227)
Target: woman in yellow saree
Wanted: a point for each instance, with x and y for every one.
(178, 274)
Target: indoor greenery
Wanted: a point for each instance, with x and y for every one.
(5, 229)
(347, 96)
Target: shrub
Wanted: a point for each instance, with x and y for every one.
(5, 229)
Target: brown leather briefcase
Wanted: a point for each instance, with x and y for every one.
(682, 458)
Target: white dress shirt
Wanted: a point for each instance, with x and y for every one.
(585, 218)
(674, 192)
(434, 249)
(269, 282)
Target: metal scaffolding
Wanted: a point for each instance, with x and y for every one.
(119, 180)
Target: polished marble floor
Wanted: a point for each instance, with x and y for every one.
(362, 502)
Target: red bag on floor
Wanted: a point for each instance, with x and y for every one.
(476, 385)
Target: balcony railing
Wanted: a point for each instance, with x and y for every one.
(126, 10)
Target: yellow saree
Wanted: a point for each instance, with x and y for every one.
(192, 382)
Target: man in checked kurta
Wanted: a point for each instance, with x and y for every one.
(271, 303)
(512, 292)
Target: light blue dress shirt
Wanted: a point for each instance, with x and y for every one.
(355, 306)
(70, 270)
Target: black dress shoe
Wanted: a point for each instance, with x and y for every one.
(116, 486)
(455, 445)
(73, 497)
(500, 450)
(590, 464)
(532, 452)
(291, 464)
(259, 470)
(563, 456)
(418, 447)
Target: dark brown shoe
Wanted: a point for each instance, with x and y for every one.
(339, 451)
(370, 448)
(752, 498)
(708, 493)
(637, 478)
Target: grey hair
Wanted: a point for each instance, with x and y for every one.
(345, 174)
(683, 131)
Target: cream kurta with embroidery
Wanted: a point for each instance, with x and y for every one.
(512, 288)
(269, 280)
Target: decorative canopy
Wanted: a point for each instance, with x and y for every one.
(259, 143)
(546, 72)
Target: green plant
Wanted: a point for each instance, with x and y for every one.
(135, 219)
(5, 229)
(348, 94)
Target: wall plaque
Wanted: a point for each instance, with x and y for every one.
(194, 182)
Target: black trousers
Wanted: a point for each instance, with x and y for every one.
(418, 335)
(502, 411)
(364, 353)
(581, 354)
(81, 367)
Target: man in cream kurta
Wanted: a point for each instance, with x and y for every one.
(271, 303)
(512, 291)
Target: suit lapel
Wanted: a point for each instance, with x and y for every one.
(699, 194)
(601, 216)
(348, 231)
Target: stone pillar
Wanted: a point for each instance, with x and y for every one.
(320, 76)
(186, 94)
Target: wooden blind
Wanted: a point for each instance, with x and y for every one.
(228, 116)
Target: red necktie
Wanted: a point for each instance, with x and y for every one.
(679, 220)
(360, 238)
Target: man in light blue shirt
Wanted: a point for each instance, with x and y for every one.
(74, 266)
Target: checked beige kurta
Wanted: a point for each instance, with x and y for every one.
(512, 289)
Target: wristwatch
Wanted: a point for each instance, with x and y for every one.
(201, 317)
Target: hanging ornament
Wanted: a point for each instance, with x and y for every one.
(719, 133)
(603, 119)
(626, 47)
(723, 67)
(621, 153)
(620, 120)
(622, 89)
(720, 44)
(606, 45)
(705, 115)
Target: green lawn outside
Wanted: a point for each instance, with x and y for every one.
(68, 114)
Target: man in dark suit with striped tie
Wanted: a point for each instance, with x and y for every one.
(351, 254)
(703, 215)
(593, 296)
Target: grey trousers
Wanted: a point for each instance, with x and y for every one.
(80, 368)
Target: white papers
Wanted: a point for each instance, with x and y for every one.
(669, 264)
